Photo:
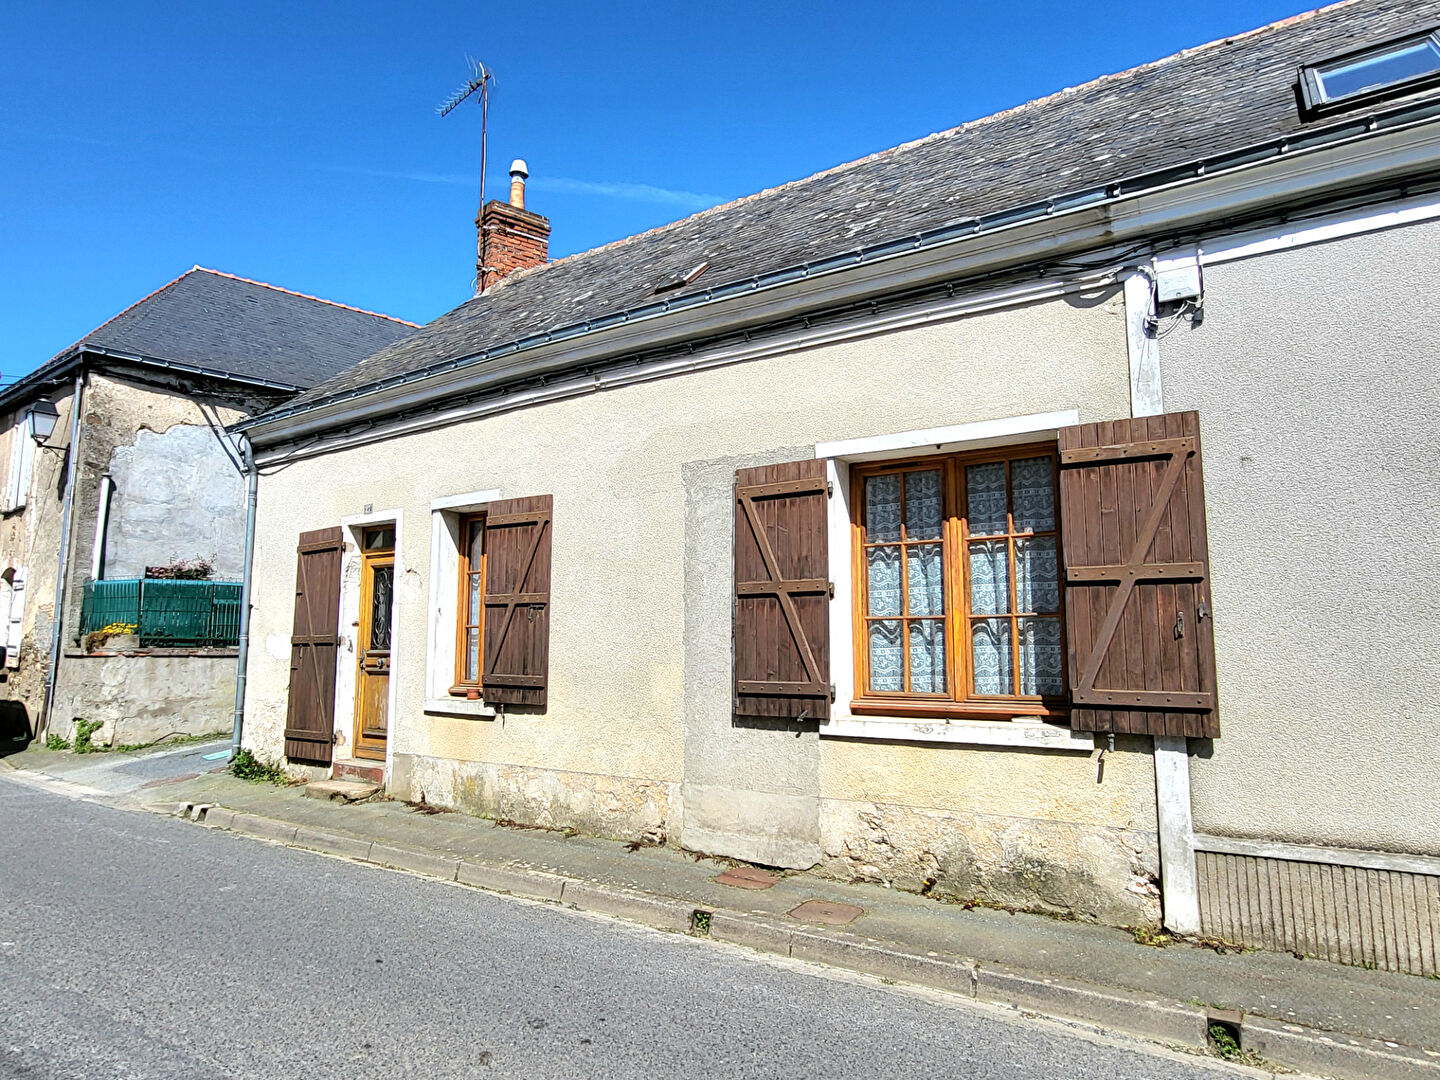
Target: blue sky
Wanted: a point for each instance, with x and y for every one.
(297, 143)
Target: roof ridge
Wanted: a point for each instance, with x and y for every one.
(949, 132)
(291, 292)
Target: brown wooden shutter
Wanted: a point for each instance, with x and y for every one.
(1137, 577)
(314, 648)
(781, 631)
(517, 601)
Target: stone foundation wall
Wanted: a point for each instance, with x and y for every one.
(620, 807)
(1080, 870)
(139, 699)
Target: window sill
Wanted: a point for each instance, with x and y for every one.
(942, 710)
(458, 707)
(1030, 735)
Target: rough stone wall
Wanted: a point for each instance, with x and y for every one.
(1315, 373)
(30, 537)
(1055, 831)
(140, 699)
(639, 704)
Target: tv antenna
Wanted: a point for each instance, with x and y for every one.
(478, 87)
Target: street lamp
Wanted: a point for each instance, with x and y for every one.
(43, 416)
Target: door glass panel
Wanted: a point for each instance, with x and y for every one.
(985, 502)
(923, 509)
(1037, 574)
(887, 658)
(926, 580)
(883, 580)
(990, 577)
(382, 590)
(1032, 482)
(927, 656)
(882, 508)
(991, 649)
(380, 539)
(475, 546)
(1041, 657)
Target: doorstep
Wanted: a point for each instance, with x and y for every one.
(362, 769)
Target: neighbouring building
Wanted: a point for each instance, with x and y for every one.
(860, 524)
(137, 484)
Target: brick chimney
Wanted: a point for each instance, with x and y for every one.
(510, 237)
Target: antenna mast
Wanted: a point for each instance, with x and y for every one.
(478, 86)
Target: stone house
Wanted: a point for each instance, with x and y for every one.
(139, 475)
(860, 524)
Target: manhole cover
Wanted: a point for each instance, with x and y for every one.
(747, 877)
(827, 913)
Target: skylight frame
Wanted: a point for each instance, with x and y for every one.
(1317, 102)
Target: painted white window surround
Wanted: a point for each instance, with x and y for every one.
(353, 529)
(1021, 732)
(445, 516)
(22, 463)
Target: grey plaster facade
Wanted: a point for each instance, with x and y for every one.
(178, 495)
(751, 788)
(1316, 372)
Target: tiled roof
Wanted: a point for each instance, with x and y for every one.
(1199, 103)
(205, 318)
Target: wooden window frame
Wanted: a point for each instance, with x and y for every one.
(463, 687)
(954, 536)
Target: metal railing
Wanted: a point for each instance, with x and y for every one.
(164, 612)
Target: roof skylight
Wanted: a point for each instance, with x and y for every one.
(1393, 68)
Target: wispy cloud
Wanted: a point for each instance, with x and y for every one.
(690, 200)
(562, 185)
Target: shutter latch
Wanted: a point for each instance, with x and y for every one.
(1200, 611)
(1179, 625)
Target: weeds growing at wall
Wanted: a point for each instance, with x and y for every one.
(247, 766)
(83, 730)
(56, 742)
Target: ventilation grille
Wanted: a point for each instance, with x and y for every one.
(1369, 918)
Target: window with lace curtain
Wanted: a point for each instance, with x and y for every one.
(959, 607)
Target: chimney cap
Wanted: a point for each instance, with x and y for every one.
(519, 168)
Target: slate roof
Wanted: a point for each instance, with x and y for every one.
(235, 326)
(1205, 101)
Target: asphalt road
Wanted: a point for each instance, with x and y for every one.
(134, 945)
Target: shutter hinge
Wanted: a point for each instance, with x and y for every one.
(832, 590)
(832, 693)
(829, 489)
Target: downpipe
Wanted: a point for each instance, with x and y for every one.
(252, 484)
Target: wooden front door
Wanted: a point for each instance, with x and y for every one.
(372, 644)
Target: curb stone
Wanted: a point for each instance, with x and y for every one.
(1107, 1008)
(885, 960)
(1306, 1048)
(333, 843)
(531, 884)
(641, 907)
(1291, 1045)
(419, 862)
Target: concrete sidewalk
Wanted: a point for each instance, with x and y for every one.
(1305, 1014)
